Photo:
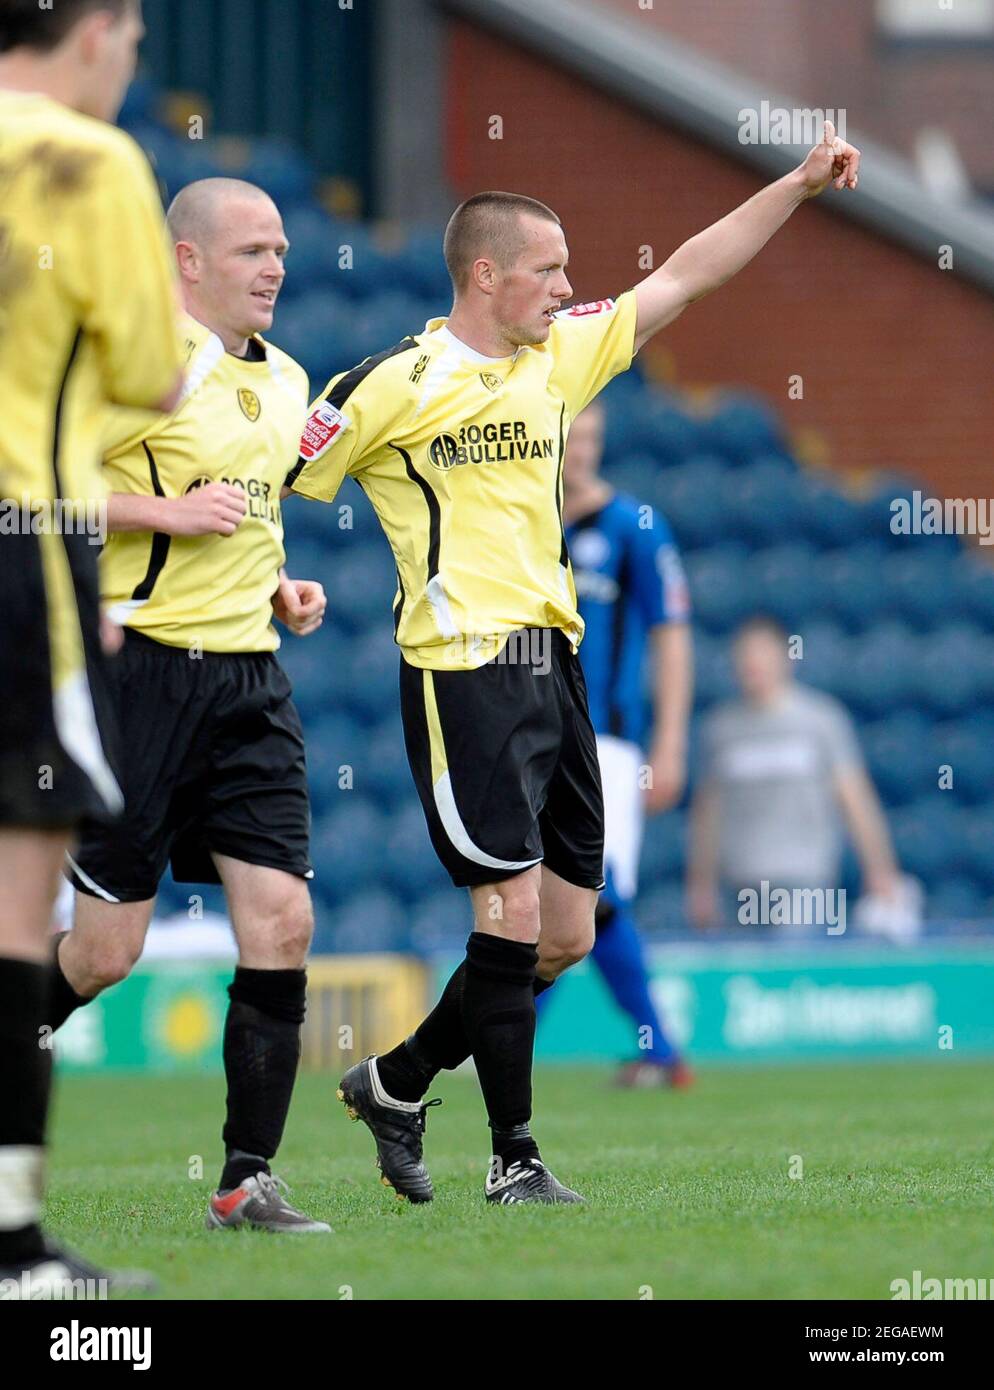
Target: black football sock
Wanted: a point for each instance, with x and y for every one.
(261, 1054)
(438, 1044)
(499, 1017)
(63, 999)
(25, 1083)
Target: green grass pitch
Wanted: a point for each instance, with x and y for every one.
(688, 1195)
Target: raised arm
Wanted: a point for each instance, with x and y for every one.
(713, 256)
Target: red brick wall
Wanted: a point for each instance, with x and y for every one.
(832, 55)
(895, 354)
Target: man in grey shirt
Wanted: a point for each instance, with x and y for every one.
(783, 777)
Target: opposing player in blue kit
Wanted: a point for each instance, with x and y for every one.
(632, 596)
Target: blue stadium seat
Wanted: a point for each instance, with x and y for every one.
(953, 668)
(348, 848)
(333, 742)
(826, 515)
(370, 272)
(919, 584)
(849, 586)
(884, 517)
(385, 774)
(824, 656)
(636, 474)
(281, 170)
(318, 332)
(313, 665)
(783, 583)
(978, 844)
(881, 673)
(374, 670)
(362, 584)
(423, 268)
(740, 428)
(928, 838)
(643, 420)
(409, 862)
(973, 580)
(693, 497)
(901, 756)
(313, 259)
(966, 747)
(763, 503)
(717, 587)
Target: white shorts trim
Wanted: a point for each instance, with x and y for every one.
(459, 835)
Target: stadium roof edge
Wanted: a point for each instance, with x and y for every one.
(676, 83)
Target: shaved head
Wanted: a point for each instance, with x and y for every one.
(196, 213)
(230, 249)
(491, 225)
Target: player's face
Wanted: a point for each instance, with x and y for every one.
(242, 265)
(761, 665)
(109, 44)
(535, 287)
(585, 445)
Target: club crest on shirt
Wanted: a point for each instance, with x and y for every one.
(250, 404)
(491, 381)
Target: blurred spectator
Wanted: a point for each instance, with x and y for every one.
(782, 777)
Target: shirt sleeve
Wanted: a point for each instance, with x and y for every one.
(841, 741)
(659, 584)
(336, 440)
(591, 343)
(130, 303)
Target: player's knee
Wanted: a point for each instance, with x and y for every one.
(519, 909)
(299, 930)
(569, 948)
(290, 932)
(108, 964)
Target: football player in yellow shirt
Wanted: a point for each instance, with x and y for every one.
(457, 435)
(214, 778)
(80, 219)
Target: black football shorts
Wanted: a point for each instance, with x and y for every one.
(213, 759)
(505, 762)
(56, 745)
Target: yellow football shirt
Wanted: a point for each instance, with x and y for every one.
(461, 456)
(87, 293)
(88, 310)
(239, 422)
